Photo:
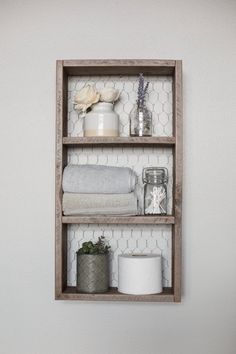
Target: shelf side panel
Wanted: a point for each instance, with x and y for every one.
(61, 158)
(177, 181)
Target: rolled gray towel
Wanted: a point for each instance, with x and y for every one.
(99, 204)
(98, 179)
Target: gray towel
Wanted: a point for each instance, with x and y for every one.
(98, 179)
(100, 204)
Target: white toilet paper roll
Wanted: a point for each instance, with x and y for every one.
(139, 274)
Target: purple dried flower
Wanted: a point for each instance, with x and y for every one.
(141, 90)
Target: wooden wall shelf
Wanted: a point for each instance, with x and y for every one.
(68, 68)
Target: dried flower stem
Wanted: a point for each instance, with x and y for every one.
(141, 91)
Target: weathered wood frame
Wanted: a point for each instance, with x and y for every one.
(118, 67)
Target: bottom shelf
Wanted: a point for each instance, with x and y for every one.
(112, 294)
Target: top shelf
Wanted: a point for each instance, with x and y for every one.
(119, 67)
(114, 141)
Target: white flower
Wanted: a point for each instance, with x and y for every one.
(85, 98)
(109, 94)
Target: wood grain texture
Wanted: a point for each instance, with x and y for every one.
(178, 177)
(60, 229)
(132, 220)
(119, 67)
(118, 62)
(114, 141)
(113, 295)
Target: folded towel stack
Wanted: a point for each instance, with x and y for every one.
(96, 189)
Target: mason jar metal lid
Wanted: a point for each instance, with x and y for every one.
(155, 175)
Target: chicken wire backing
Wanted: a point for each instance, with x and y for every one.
(135, 158)
(159, 101)
(122, 239)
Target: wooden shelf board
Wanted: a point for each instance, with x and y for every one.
(101, 141)
(104, 219)
(119, 67)
(70, 293)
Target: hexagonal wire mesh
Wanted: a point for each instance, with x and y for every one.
(122, 239)
(134, 157)
(125, 238)
(159, 101)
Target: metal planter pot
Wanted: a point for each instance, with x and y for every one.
(92, 273)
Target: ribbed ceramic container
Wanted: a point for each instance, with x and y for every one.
(92, 273)
(101, 121)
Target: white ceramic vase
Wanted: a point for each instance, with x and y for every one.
(101, 121)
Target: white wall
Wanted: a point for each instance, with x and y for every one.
(33, 35)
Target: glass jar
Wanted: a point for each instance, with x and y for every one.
(155, 190)
(140, 121)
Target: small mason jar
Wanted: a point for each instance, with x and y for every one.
(155, 190)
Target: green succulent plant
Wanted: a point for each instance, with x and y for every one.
(100, 247)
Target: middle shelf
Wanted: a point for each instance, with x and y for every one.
(119, 141)
(132, 220)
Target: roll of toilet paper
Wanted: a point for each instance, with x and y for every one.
(139, 274)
